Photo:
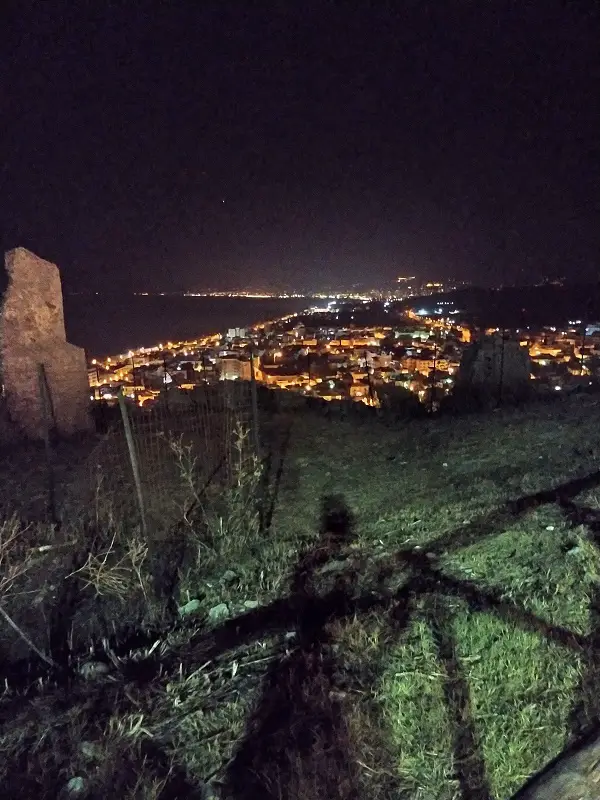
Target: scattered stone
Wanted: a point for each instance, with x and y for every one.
(549, 527)
(229, 576)
(290, 635)
(251, 604)
(75, 786)
(219, 611)
(333, 566)
(189, 608)
(93, 669)
(90, 750)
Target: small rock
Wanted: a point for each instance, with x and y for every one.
(219, 611)
(549, 527)
(229, 576)
(290, 635)
(189, 608)
(93, 669)
(251, 604)
(75, 785)
(90, 750)
(333, 566)
(444, 464)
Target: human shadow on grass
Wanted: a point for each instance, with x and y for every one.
(298, 732)
(296, 743)
(295, 710)
(297, 693)
(281, 613)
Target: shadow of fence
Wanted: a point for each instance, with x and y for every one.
(296, 743)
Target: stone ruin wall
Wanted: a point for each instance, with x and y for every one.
(491, 369)
(32, 332)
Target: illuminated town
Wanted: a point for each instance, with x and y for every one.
(350, 350)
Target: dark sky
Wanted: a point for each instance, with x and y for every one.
(186, 144)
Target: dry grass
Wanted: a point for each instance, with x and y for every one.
(115, 571)
(15, 557)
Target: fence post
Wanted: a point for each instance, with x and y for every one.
(433, 375)
(582, 351)
(501, 383)
(135, 468)
(48, 424)
(255, 431)
(165, 383)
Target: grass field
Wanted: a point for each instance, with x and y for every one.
(408, 612)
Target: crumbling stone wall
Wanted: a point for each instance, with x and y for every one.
(32, 332)
(493, 370)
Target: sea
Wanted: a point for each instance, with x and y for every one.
(110, 324)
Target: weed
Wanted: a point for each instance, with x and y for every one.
(222, 524)
(115, 572)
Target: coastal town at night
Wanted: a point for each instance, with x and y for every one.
(351, 351)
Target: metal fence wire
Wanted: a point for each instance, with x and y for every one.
(142, 467)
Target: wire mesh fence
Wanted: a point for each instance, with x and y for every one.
(152, 461)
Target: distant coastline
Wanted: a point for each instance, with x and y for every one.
(110, 324)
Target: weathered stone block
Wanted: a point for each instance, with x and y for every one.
(493, 369)
(32, 333)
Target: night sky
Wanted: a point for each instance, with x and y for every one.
(188, 145)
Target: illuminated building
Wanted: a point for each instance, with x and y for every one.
(233, 368)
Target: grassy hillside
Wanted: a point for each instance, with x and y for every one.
(378, 612)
